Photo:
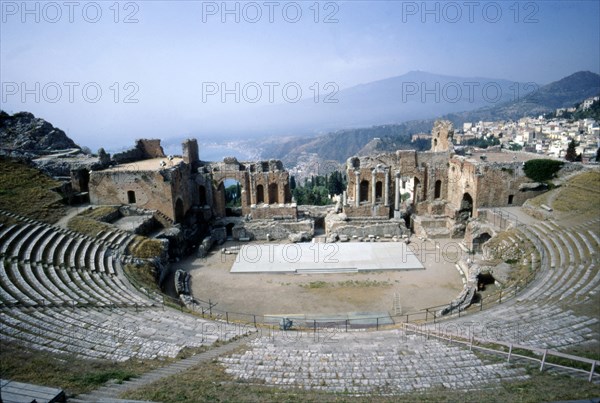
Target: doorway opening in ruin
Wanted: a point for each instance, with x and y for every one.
(466, 205)
(364, 191)
(179, 213)
(479, 241)
(319, 225)
(273, 194)
(438, 189)
(229, 230)
(232, 192)
(510, 199)
(378, 191)
(483, 280)
(260, 194)
(130, 197)
(202, 196)
(416, 190)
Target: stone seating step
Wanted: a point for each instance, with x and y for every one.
(8, 244)
(25, 392)
(25, 246)
(47, 296)
(40, 273)
(57, 280)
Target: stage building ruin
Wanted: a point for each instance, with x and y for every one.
(433, 193)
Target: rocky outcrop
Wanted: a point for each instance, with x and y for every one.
(24, 132)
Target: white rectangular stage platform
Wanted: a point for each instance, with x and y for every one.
(315, 258)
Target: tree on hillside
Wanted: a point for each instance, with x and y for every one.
(541, 170)
(335, 184)
(571, 154)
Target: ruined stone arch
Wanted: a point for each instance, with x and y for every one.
(416, 190)
(438, 189)
(179, 211)
(202, 198)
(131, 197)
(260, 194)
(480, 240)
(378, 191)
(364, 191)
(466, 205)
(273, 193)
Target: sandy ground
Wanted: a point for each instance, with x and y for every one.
(275, 294)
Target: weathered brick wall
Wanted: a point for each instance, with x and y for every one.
(273, 211)
(377, 210)
(143, 149)
(151, 190)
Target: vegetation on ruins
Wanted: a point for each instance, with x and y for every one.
(75, 375)
(142, 275)
(146, 248)
(29, 192)
(541, 170)
(87, 226)
(233, 195)
(578, 194)
(317, 189)
(210, 382)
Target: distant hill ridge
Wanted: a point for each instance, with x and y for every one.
(343, 144)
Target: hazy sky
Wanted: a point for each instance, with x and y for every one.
(108, 72)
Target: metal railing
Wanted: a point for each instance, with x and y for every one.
(499, 347)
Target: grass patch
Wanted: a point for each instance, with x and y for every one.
(88, 226)
(315, 284)
(146, 248)
(345, 284)
(99, 213)
(27, 191)
(68, 372)
(142, 275)
(579, 194)
(362, 283)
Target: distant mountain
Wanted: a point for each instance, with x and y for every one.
(342, 144)
(414, 95)
(558, 94)
(24, 132)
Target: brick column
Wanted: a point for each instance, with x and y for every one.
(357, 188)
(386, 190)
(397, 192)
(373, 177)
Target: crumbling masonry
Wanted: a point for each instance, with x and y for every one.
(433, 192)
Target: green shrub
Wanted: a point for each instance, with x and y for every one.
(541, 170)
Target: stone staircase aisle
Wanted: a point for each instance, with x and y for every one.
(111, 391)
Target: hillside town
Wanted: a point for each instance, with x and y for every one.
(545, 135)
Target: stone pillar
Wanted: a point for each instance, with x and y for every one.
(397, 192)
(344, 198)
(373, 177)
(386, 190)
(252, 190)
(357, 188)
